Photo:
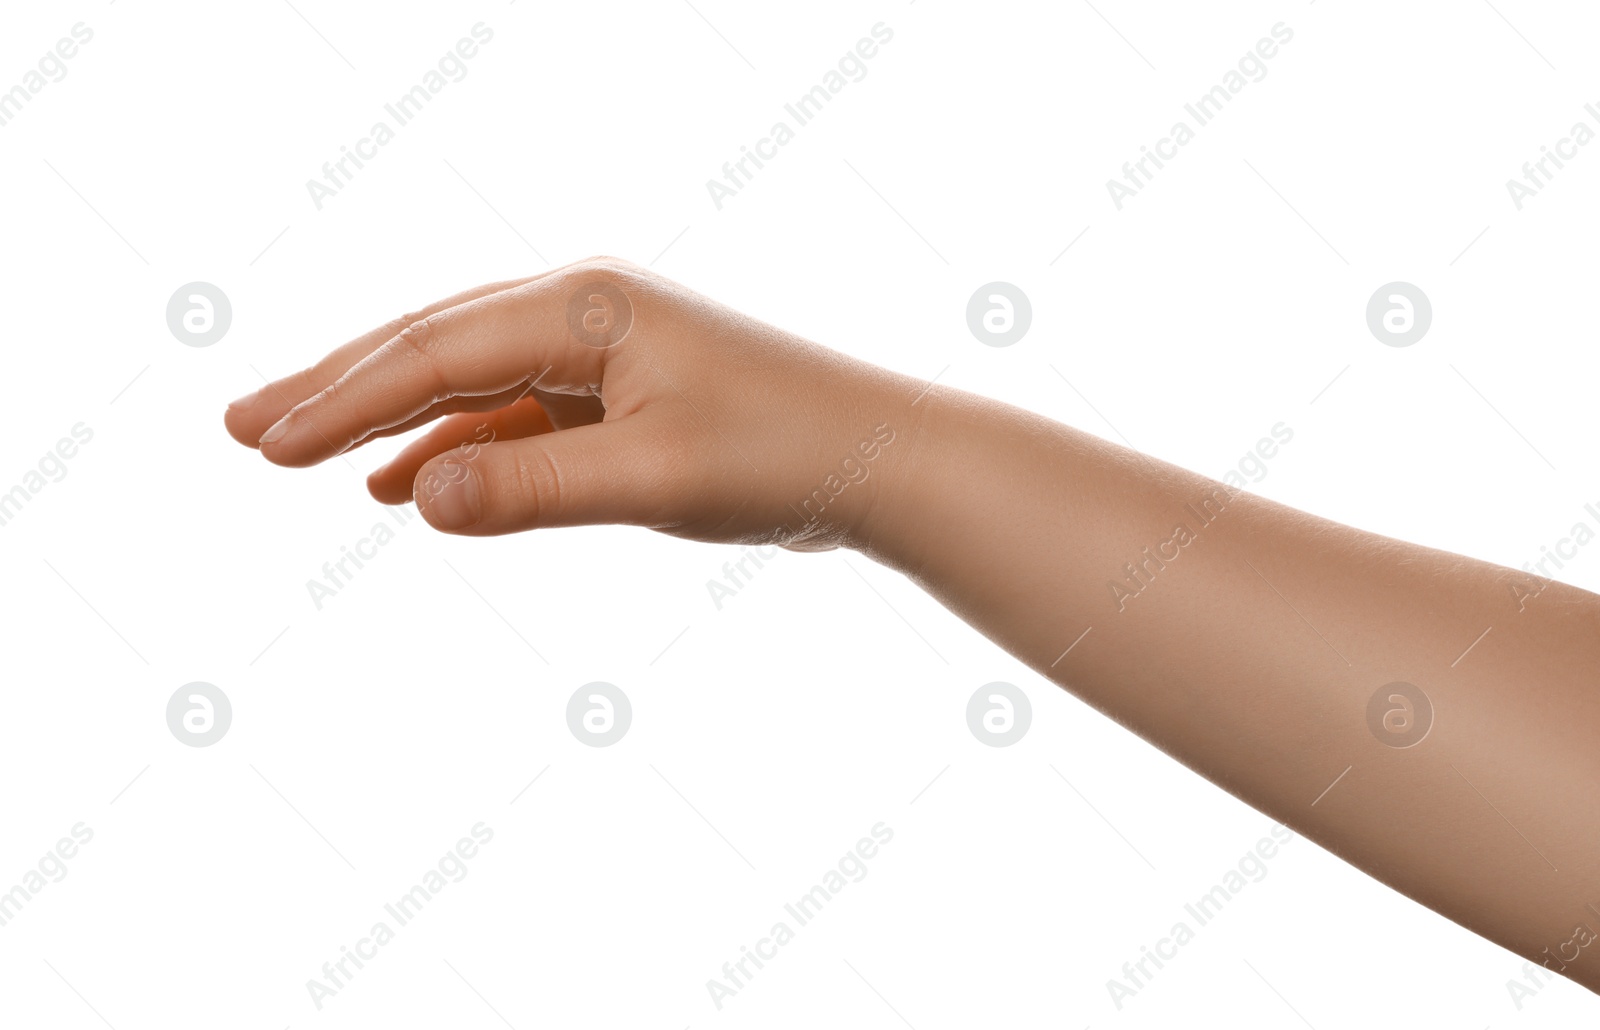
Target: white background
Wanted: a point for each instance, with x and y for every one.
(829, 694)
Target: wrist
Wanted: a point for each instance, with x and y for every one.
(967, 469)
(909, 480)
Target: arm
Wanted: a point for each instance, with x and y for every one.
(1257, 644)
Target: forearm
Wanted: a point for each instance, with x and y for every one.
(1248, 640)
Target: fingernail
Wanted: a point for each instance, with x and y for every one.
(457, 506)
(276, 433)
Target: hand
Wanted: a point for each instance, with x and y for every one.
(600, 393)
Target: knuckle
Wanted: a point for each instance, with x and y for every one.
(323, 413)
(416, 331)
(395, 326)
(332, 395)
(603, 297)
(609, 262)
(537, 479)
(615, 271)
(392, 328)
(414, 340)
(303, 384)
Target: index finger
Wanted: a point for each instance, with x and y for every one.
(487, 345)
(253, 414)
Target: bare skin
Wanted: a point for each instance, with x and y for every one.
(1250, 647)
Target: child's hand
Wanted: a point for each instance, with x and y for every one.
(600, 393)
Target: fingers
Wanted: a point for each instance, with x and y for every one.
(566, 411)
(607, 472)
(491, 402)
(393, 483)
(484, 346)
(250, 416)
(563, 411)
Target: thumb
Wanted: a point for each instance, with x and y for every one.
(606, 472)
